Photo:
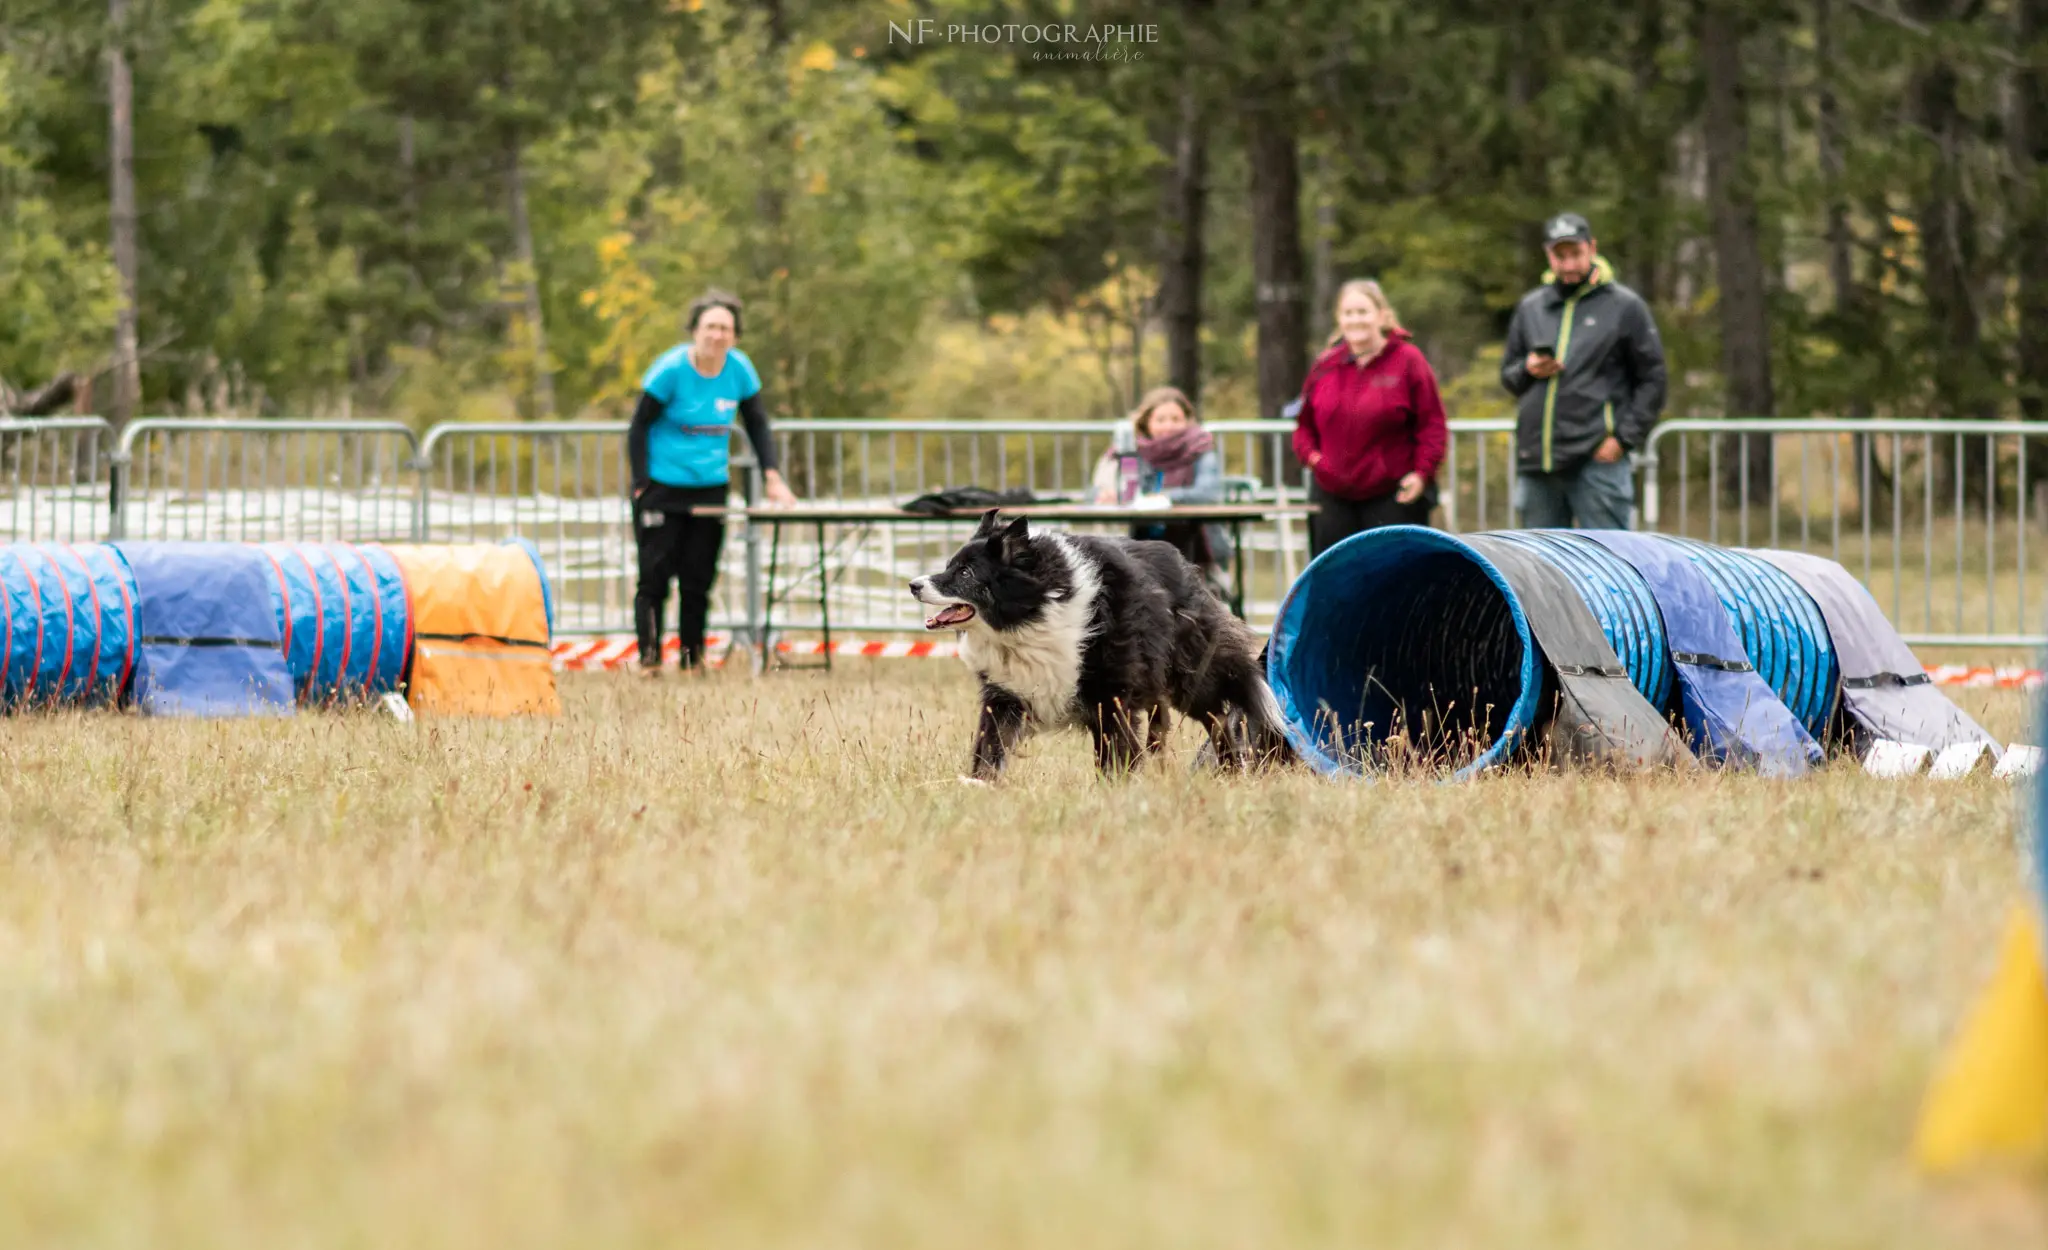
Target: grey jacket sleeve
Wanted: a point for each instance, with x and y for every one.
(1514, 360)
(1207, 486)
(1644, 354)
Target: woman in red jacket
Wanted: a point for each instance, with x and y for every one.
(1371, 427)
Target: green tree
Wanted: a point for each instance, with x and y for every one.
(838, 284)
(57, 290)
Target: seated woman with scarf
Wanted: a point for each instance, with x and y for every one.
(1177, 464)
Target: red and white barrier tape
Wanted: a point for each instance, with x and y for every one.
(1983, 678)
(593, 654)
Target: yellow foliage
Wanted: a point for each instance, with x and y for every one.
(818, 183)
(1035, 368)
(1040, 365)
(1476, 393)
(819, 56)
(624, 301)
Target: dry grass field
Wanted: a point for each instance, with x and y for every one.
(738, 963)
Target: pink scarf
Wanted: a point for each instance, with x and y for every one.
(1175, 455)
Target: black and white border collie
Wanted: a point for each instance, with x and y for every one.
(1076, 630)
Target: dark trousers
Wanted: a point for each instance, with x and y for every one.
(1185, 537)
(681, 548)
(1338, 519)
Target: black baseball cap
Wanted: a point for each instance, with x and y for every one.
(1565, 227)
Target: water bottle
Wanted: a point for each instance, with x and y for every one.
(1126, 478)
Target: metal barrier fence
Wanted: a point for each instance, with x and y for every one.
(1933, 516)
(256, 481)
(565, 486)
(1936, 517)
(54, 479)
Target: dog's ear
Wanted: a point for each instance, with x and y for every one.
(987, 528)
(1012, 541)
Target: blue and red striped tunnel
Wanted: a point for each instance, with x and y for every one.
(206, 628)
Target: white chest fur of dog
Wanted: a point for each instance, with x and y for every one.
(1040, 663)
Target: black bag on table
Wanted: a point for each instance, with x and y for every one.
(969, 499)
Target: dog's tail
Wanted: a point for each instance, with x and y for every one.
(1268, 723)
(1264, 724)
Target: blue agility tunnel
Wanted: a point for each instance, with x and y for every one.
(344, 618)
(1458, 650)
(210, 640)
(1405, 643)
(1403, 630)
(1588, 645)
(67, 615)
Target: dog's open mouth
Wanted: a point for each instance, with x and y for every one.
(949, 616)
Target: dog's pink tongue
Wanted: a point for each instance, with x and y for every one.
(953, 614)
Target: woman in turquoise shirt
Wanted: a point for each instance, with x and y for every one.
(679, 446)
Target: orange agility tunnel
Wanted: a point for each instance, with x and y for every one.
(481, 630)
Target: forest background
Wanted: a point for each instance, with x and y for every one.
(495, 210)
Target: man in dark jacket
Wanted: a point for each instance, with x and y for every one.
(1587, 369)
